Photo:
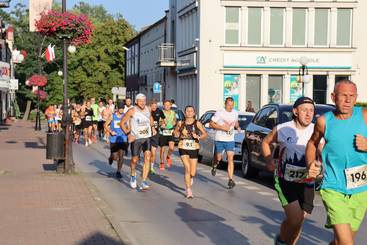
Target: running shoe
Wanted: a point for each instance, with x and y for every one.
(161, 166)
(118, 175)
(169, 161)
(231, 184)
(90, 141)
(214, 169)
(189, 193)
(144, 185)
(86, 143)
(133, 182)
(277, 241)
(110, 160)
(152, 169)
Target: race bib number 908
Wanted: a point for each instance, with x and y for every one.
(356, 176)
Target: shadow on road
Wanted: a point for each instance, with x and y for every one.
(206, 224)
(163, 180)
(99, 238)
(315, 234)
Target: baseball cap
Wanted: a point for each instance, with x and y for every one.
(303, 100)
(139, 97)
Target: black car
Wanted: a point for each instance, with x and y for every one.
(264, 121)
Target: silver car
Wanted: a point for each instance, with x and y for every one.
(206, 152)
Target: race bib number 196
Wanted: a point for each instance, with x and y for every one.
(294, 173)
(356, 176)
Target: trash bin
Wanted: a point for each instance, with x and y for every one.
(55, 145)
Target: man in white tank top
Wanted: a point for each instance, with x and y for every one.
(138, 125)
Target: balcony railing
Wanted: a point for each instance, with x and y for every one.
(167, 55)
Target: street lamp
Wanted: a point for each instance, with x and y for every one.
(303, 70)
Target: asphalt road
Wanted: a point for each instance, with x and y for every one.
(248, 214)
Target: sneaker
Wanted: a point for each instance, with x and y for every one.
(161, 166)
(152, 170)
(110, 160)
(231, 184)
(214, 170)
(118, 175)
(144, 185)
(133, 182)
(90, 141)
(169, 161)
(277, 241)
(86, 143)
(189, 193)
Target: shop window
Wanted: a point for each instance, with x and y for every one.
(319, 88)
(253, 90)
(338, 78)
(275, 89)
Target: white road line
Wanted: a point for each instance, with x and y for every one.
(265, 193)
(251, 187)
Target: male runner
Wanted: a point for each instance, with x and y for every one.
(158, 116)
(137, 124)
(128, 104)
(295, 196)
(344, 159)
(95, 117)
(101, 119)
(224, 122)
(166, 138)
(117, 139)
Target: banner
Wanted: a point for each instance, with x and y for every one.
(296, 89)
(36, 7)
(232, 88)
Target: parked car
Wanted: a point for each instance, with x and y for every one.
(264, 121)
(206, 151)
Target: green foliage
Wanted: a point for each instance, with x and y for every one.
(33, 114)
(361, 104)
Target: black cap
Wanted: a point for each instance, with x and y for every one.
(303, 100)
(120, 105)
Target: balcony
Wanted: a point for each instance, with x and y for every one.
(167, 55)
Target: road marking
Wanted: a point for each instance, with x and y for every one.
(252, 187)
(265, 193)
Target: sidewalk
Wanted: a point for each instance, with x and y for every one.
(38, 206)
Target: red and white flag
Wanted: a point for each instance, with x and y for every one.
(50, 53)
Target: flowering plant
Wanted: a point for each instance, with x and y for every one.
(37, 80)
(77, 28)
(42, 94)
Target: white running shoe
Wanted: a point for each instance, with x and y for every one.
(133, 182)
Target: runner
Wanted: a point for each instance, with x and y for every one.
(138, 125)
(344, 157)
(190, 131)
(295, 196)
(101, 119)
(118, 139)
(110, 109)
(95, 118)
(51, 114)
(224, 122)
(77, 121)
(166, 138)
(87, 123)
(158, 116)
(111, 105)
(128, 104)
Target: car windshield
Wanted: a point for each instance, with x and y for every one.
(244, 120)
(287, 114)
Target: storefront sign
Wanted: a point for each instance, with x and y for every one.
(232, 87)
(14, 84)
(287, 60)
(296, 89)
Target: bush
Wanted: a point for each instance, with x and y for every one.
(32, 115)
(362, 104)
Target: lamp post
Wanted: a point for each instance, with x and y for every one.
(303, 70)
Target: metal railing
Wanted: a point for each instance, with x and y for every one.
(167, 52)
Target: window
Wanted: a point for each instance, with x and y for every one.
(319, 88)
(343, 33)
(253, 90)
(232, 25)
(136, 59)
(276, 26)
(299, 27)
(321, 27)
(275, 89)
(267, 117)
(254, 26)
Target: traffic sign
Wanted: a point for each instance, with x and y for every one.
(157, 88)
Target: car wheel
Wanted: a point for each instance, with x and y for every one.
(247, 170)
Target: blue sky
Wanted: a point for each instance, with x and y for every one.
(139, 13)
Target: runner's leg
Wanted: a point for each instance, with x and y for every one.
(120, 159)
(343, 235)
(230, 156)
(186, 162)
(146, 165)
(290, 229)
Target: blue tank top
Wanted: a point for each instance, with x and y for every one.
(340, 156)
(120, 136)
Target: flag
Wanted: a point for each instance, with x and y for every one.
(50, 53)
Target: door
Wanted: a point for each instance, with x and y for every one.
(319, 89)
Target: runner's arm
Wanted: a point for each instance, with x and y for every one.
(176, 133)
(125, 120)
(313, 143)
(152, 125)
(216, 126)
(361, 141)
(107, 124)
(272, 137)
(203, 132)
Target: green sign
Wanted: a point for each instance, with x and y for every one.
(232, 88)
(296, 89)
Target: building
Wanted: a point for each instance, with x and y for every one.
(255, 50)
(5, 78)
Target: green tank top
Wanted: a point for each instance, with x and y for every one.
(170, 118)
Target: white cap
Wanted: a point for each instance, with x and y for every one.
(139, 97)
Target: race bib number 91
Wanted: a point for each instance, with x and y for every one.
(356, 176)
(189, 144)
(294, 173)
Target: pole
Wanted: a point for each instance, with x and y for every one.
(303, 80)
(68, 164)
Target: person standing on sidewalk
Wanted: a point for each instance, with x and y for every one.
(117, 139)
(138, 125)
(295, 196)
(158, 116)
(166, 134)
(225, 121)
(189, 132)
(344, 159)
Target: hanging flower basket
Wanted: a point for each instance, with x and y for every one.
(42, 94)
(37, 80)
(77, 28)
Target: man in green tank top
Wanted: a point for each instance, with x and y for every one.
(166, 139)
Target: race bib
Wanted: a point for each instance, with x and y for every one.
(116, 124)
(167, 132)
(155, 124)
(189, 144)
(230, 132)
(356, 176)
(88, 118)
(294, 173)
(77, 122)
(143, 132)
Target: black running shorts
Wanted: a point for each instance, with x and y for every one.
(140, 145)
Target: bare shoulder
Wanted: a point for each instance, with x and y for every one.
(320, 124)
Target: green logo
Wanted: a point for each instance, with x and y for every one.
(261, 60)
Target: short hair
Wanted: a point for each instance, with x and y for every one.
(190, 106)
(229, 99)
(344, 81)
(170, 101)
(153, 101)
(128, 98)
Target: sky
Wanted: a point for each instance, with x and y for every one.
(139, 13)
